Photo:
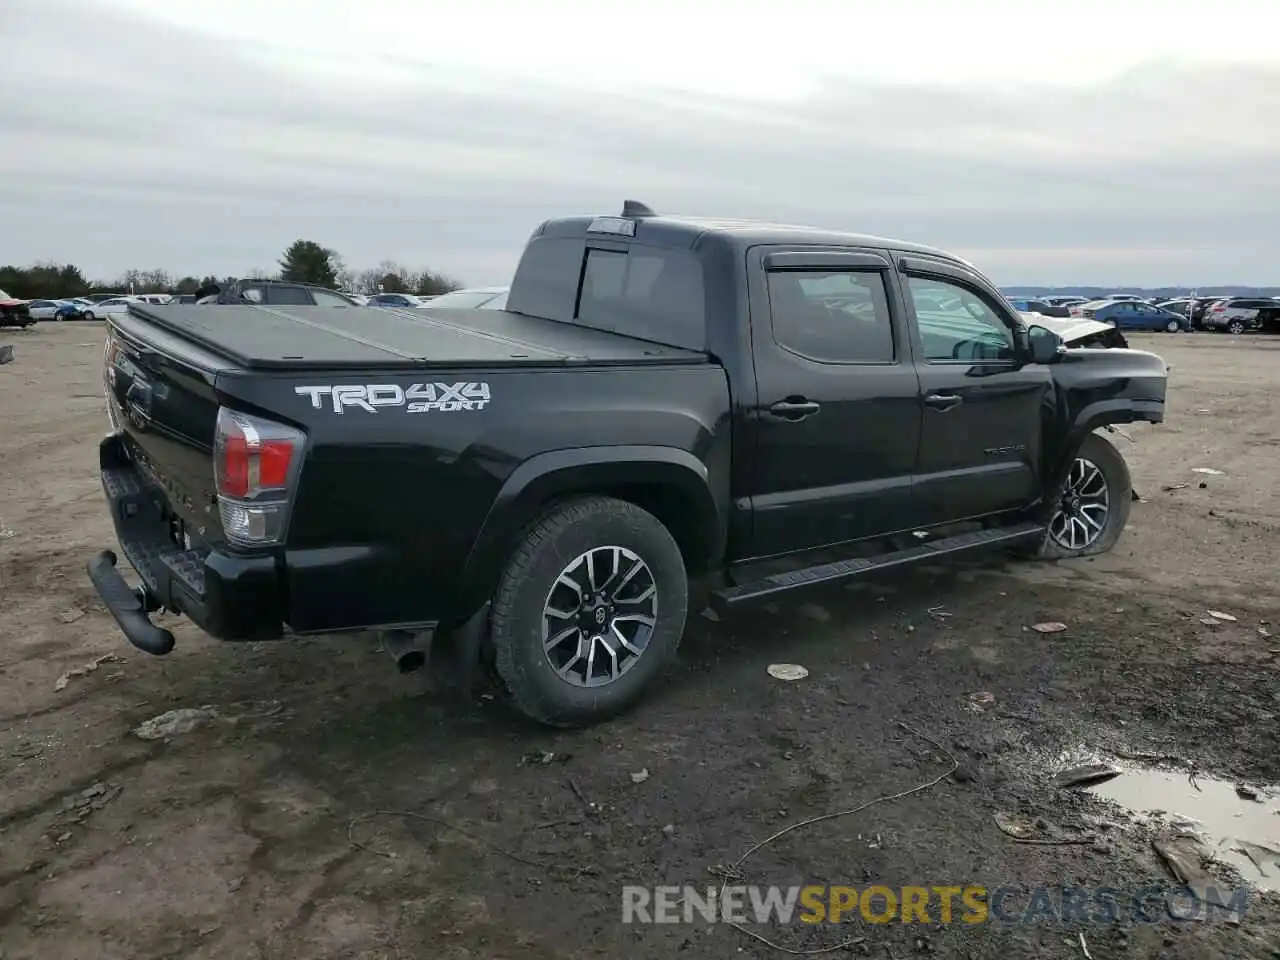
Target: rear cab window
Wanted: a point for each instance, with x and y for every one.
(614, 283)
(645, 292)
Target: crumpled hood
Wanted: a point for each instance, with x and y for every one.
(1070, 329)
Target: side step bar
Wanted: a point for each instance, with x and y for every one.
(726, 598)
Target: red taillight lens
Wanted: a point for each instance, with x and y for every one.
(253, 456)
(255, 464)
(1218, 309)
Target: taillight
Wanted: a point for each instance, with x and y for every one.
(1219, 309)
(255, 464)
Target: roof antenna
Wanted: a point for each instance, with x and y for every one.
(634, 208)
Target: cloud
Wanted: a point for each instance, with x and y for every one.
(141, 143)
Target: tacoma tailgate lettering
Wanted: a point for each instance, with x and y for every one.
(417, 398)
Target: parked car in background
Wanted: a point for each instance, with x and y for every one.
(102, 297)
(53, 309)
(1238, 314)
(272, 293)
(1042, 307)
(402, 300)
(1181, 306)
(472, 298)
(1078, 309)
(1135, 315)
(14, 312)
(1199, 308)
(86, 308)
(1064, 300)
(116, 306)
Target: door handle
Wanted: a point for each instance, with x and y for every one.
(943, 401)
(794, 409)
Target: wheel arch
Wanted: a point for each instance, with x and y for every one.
(672, 484)
(1090, 420)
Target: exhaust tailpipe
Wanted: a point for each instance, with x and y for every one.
(404, 649)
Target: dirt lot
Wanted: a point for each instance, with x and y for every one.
(258, 834)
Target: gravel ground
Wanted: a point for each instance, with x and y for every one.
(303, 817)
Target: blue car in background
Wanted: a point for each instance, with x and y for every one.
(54, 309)
(1135, 315)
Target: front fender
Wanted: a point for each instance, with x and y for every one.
(1099, 387)
(666, 471)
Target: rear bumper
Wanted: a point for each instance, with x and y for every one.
(231, 597)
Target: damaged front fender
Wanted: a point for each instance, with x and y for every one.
(1100, 389)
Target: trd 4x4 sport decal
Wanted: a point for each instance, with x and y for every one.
(417, 398)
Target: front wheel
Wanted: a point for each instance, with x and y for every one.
(1092, 507)
(589, 610)
(1173, 326)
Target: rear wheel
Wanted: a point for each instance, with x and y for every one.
(1092, 507)
(589, 609)
(88, 315)
(1235, 327)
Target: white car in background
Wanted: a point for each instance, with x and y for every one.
(115, 307)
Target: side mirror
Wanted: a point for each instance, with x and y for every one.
(1046, 346)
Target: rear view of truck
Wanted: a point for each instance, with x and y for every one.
(322, 470)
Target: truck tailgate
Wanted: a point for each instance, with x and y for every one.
(163, 403)
(337, 338)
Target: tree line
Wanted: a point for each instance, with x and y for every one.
(304, 260)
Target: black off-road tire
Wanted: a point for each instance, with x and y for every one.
(1099, 451)
(516, 624)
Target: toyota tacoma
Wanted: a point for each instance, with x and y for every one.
(669, 408)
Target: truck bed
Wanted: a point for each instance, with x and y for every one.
(301, 338)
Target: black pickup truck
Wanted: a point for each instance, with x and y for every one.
(667, 406)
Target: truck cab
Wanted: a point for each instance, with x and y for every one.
(876, 386)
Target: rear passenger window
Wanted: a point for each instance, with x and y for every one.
(644, 292)
(832, 316)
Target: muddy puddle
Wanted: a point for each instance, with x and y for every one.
(1243, 831)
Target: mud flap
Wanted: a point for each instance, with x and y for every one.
(454, 660)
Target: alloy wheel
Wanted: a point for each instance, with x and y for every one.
(599, 616)
(1083, 507)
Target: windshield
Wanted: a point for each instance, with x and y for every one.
(462, 299)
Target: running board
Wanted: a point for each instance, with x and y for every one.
(726, 598)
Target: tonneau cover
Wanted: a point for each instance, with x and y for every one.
(277, 338)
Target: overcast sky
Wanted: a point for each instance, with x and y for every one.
(1116, 142)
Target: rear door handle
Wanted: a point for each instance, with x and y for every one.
(794, 409)
(943, 401)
